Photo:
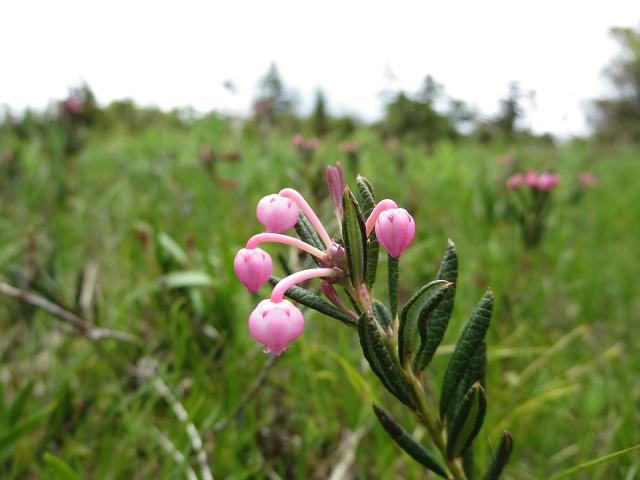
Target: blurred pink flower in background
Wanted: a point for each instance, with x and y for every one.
(588, 179)
(312, 144)
(72, 106)
(393, 144)
(506, 159)
(547, 181)
(298, 140)
(531, 179)
(515, 181)
(349, 147)
(336, 184)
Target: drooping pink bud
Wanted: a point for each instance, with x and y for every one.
(276, 325)
(253, 266)
(531, 179)
(515, 181)
(547, 181)
(588, 179)
(395, 230)
(336, 184)
(277, 213)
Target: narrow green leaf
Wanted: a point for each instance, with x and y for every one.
(471, 338)
(187, 279)
(14, 432)
(383, 315)
(315, 302)
(380, 359)
(355, 238)
(467, 421)
(16, 408)
(307, 233)
(427, 297)
(393, 278)
(353, 302)
(468, 464)
(170, 246)
(367, 195)
(407, 443)
(437, 322)
(59, 469)
(475, 373)
(502, 457)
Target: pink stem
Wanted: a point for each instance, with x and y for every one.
(287, 282)
(308, 211)
(375, 213)
(287, 240)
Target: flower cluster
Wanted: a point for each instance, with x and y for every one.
(303, 144)
(543, 181)
(276, 322)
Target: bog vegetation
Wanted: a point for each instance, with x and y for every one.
(124, 345)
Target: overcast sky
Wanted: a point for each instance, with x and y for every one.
(181, 53)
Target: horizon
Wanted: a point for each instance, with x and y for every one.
(174, 62)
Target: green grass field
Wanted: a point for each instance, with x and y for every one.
(131, 210)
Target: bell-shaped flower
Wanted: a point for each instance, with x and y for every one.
(253, 266)
(276, 325)
(395, 230)
(277, 213)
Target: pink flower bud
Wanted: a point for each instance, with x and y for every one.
(531, 179)
(277, 213)
(547, 181)
(312, 144)
(253, 267)
(336, 184)
(275, 325)
(515, 181)
(395, 230)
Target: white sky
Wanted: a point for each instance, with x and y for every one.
(180, 53)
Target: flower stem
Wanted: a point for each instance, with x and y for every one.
(308, 211)
(283, 285)
(287, 240)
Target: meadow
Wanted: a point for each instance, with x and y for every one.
(133, 233)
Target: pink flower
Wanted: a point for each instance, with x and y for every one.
(349, 147)
(395, 230)
(506, 159)
(253, 267)
(393, 144)
(313, 144)
(547, 181)
(588, 179)
(531, 179)
(277, 213)
(515, 181)
(276, 325)
(298, 141)
(336, 184)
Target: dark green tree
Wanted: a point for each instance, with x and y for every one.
(618, 117)
(319, 119)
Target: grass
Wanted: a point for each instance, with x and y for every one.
(563, 362)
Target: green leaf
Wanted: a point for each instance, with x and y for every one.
(467, 421)
(407, 443)
(191, 278)
(425, 298)
(468, 465)
(380, 359)
(471, 338)
(368, 202)
(367, 195)
(437, 322)
(383, 315)
(315, 302)
(14, 432)
(355, 237)
(475, 373)
(170, 246)
(393, 277)
(502, 457)
(307, 233)
(59, 468)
